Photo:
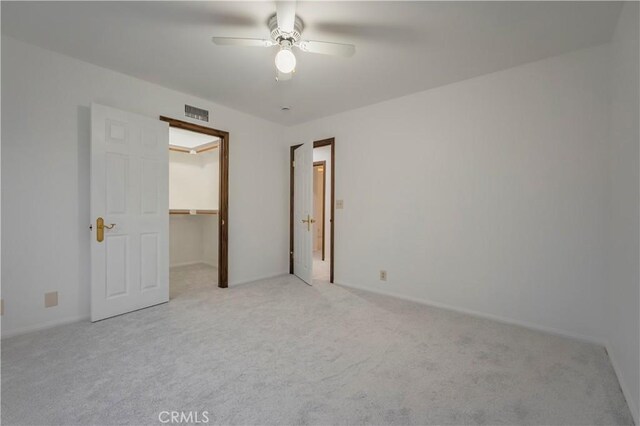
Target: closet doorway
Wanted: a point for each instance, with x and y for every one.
(319, 208)
(198, 202)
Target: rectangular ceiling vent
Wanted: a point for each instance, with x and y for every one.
(197, 113)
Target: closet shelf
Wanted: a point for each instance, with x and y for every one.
(192, 212)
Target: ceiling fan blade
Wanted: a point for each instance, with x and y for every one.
(250, 42)
(283, 77)
(326, 48)
(286, 15)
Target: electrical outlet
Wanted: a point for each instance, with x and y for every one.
(383, 275)
(51, 299)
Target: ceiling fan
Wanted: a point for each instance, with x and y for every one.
(286, 33)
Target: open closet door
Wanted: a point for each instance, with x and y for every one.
(302, 211)
(130, 212)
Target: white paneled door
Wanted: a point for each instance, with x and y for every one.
(129, 211)
(302, 212)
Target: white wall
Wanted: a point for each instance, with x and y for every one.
(193, 239)
(489, 195)
(623, 283)
(323, 153)
(194, 180)
(185, 240)
(45, 180)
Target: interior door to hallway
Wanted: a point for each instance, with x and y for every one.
(302, 213)
(319, 194)
(130, 195)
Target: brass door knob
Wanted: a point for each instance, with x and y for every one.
(100, 229)
(309, 220)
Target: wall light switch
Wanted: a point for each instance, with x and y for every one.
(339, 204)
(51, 299)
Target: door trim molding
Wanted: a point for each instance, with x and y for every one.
(223, 201)
(316, 144)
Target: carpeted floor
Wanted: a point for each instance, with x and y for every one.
(282, 352)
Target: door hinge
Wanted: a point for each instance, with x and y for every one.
(293, 163)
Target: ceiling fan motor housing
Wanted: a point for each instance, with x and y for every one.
(279, 36)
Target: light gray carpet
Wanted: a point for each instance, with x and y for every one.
(282, 352)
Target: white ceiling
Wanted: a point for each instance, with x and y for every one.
(188, 139)
(401, 47)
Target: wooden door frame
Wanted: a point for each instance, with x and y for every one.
(323, 164)
(223, 197)
(316, 144)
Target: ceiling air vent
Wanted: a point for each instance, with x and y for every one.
(197, 113)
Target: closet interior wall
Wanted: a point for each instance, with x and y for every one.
(193, 204)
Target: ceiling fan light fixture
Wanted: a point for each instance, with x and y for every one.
(285, 60)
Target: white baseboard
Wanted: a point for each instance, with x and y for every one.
(176, 265)
(268, 277)
(633, 405)
(479, 314)
(43, 326)
(70, 320)
(195, 262)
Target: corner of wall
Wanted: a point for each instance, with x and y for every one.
(626, 390)
(623, 285)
